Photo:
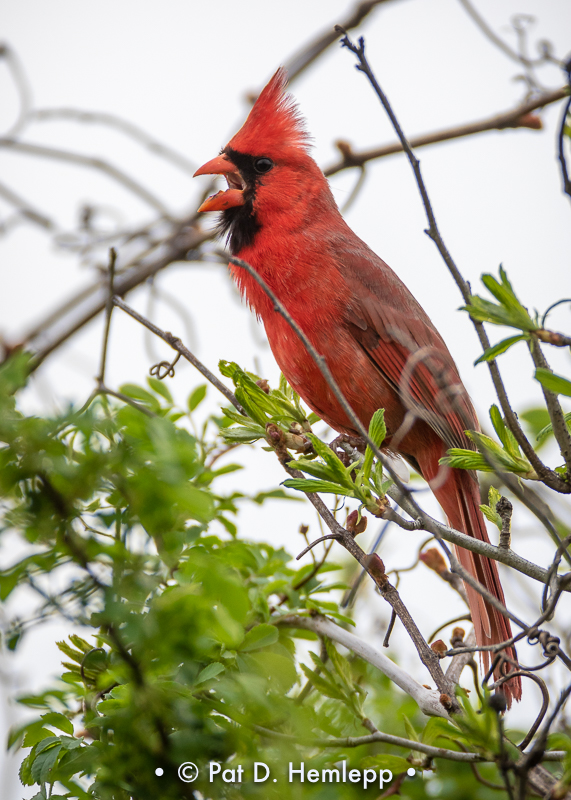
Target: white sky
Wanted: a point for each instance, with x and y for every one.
(181, 71)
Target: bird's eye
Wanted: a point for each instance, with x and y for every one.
(263, 165)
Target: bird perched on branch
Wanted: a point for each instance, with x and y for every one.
(278, 214)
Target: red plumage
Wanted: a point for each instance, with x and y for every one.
(381, 347)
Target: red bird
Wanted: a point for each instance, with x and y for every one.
(384, 352)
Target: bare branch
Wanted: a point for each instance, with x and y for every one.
(22, 86)
(438, 529)
(177, 345)
(91, 162)
(108, 313)
(387, 738)
(25, 208)
(460, 660)
(499, 42)
(561, 143)
(123, 125)
(299, 62)
(515, 118)
(76, 312)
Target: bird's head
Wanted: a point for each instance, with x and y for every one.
(266, 166)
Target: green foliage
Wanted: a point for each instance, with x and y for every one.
(553, 383)
(507, 311)
(354, 480)
(181, 652)
(281, 406)
(489, 511)
(506, 456)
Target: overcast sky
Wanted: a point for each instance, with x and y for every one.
(182, 70)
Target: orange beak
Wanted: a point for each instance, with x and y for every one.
(234, 194)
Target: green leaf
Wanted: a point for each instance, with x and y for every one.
(316, 468)
(278, 669)
(436, 727)
(140, 394)
(396, 764)
(509, 312)
(244, 434)
(489, 511)
(44, 763)
(552, 382)
(160, 388)
(536, 418)
(209, 672)
(377, 427)
(57, 720)
(35, 734)
(327, 487)
(197, 396)
(501, 347)
(260, 636)
(410, 731)
(334, 463)
(465, 459)
(326, 687)
(80, 643)
(377, 432)
(275, 494)
(543, 433)
(341, 664)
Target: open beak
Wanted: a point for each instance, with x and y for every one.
(234, 194)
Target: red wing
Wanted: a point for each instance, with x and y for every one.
(403, 344)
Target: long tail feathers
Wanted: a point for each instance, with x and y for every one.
(459, 496)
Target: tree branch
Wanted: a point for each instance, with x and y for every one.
(177, 345)
(515, 118)
(82, 308)
(91, 162)
(299, 61)
(123, 125)
(428, 699)
(25, 209)
(438, 529)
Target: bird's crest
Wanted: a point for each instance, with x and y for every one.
(274, 120)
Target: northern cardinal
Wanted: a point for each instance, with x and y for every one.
(383, 350)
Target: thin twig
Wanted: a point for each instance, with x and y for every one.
(561, 147)
(91, 162)
(102, 389)
(177, 345)
(91, 301)
(22, 87)
(499, 42)
(391, 625)
(26, 209)
(123, 125)
(299, 62)
(108, 313)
